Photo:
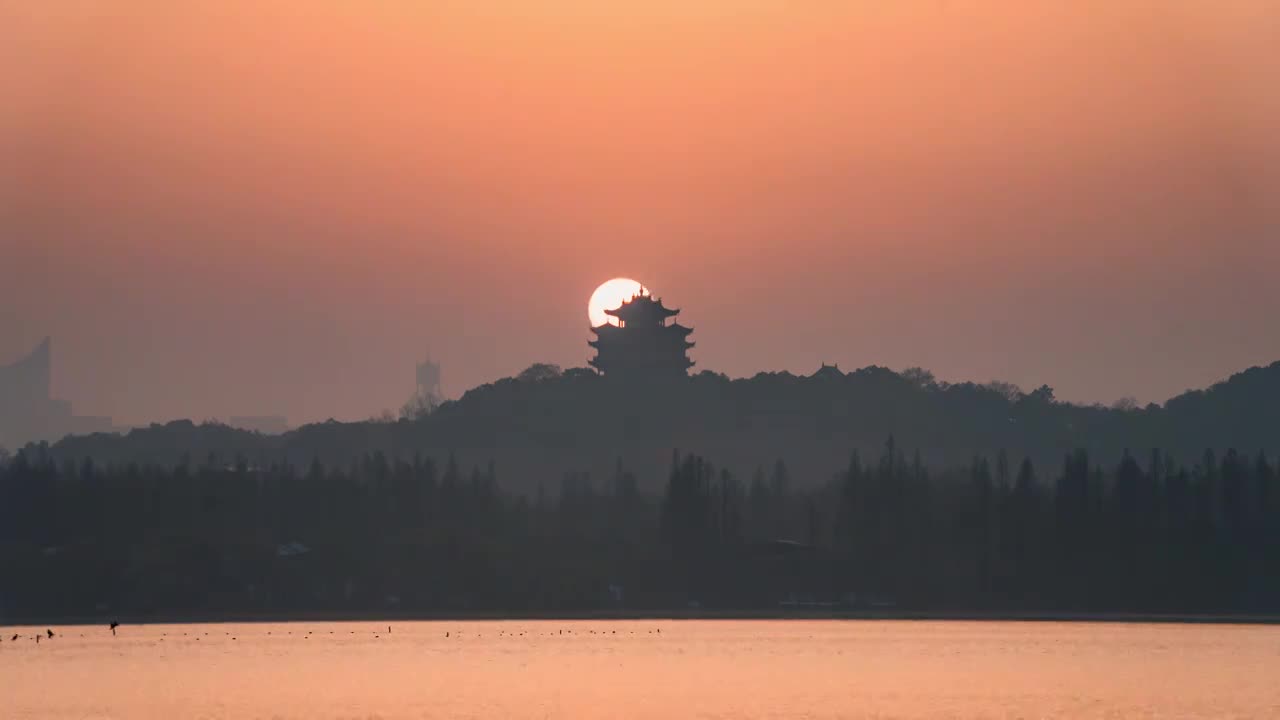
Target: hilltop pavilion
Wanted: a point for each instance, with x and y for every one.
(642, 344)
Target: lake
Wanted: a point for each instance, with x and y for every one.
(643, 669)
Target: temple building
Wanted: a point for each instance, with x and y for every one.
(642, 344)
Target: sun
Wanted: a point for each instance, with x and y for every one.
(609, 296)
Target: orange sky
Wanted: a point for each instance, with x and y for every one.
(234, 207)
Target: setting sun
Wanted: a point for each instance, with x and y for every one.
(609, 296)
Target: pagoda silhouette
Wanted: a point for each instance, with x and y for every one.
(642, 344)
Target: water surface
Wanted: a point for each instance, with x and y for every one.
(643, 669)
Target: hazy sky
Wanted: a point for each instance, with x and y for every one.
(240, 207)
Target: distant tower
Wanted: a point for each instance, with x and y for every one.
(429, 380)
(642, 344)
(26, 385)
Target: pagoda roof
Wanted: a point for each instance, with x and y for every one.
(641, 304)
(604, 339)
(611, 329)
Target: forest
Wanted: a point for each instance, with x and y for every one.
(383, 533)
(545, 422)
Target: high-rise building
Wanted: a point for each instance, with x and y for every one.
(28, 411)
(429, 380)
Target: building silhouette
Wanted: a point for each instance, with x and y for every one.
(28, 411)
(429, 380)
(642, 344)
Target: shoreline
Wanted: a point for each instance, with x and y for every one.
(655, 615)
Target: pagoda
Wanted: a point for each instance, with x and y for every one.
(642, 343)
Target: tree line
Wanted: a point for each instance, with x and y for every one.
(545, 420)
(1137, 534)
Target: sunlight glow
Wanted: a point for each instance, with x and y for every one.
(609, 296)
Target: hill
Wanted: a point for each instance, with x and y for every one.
(545, 423)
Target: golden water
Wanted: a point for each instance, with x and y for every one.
(628, 669)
